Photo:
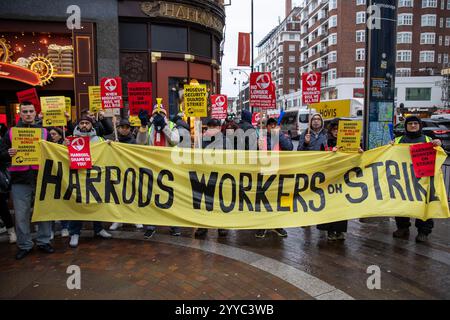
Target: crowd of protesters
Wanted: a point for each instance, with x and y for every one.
(158, 130)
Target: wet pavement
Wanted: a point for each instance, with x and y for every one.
(302, 266)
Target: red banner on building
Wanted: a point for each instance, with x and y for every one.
(111, 93)
(244, 50)
(30, 95)
(79, 153)
(262, 90)
(423, 157)
(139, 97)
(219, 106)
(311, 87)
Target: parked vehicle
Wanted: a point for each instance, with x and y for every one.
(295, 121)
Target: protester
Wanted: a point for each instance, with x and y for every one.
(103, 126)
(161, 133)
(56, 135)
(213, 139)
(413, 134)
(249, 139)
(124, 135)
(4, 194)
(315, 137)
(23, 187)
(183, 131)
(85, 128)
(274, 140)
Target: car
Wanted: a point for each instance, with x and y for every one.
(434, 128)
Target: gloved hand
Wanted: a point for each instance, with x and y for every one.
(143, 116)
(159, 122)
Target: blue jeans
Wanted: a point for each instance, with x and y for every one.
(75, 227)
(23, 197)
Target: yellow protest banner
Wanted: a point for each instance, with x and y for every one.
(26, 142)
(95, 100)
(69, 107)
(349, 135)
(135, 121)
(332, 109)
(53, 109)
(235, 189)
(196, 100)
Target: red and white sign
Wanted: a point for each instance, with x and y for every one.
(255, 118)
(262, 90)
(219, 106)
(244, 50)
(139, 97)
(423, 157)
(111, 93)
(79, 153)
(30, 95)
(311, 87)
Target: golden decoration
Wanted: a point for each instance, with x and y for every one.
(5, 52)
(42, 66)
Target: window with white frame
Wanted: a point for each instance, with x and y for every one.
(292, 47)
(404, 37)
(447, 41)
(441, 24)
(403, 72)
(332, 4)
(447, 22)
(405, 19)
(332, 40)
(448, 4)
(333, 74)
(359, 72)
(360, 54)
(404, 55)
(429, 3)
(360, 17)
(291, 70)
(405, 3)
(439, 58)
(291, 58)
(428, 38)
(426, 56)
(291, 80)
(445, 61)
(361, 36)
(360, 2)
(332, 22)
(332, 57)
(428, 20)
(442, 4)
(440, 40)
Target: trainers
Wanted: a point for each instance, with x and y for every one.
(340, 236)
(175, 232)
(201, 232)
(52, 235)
(260, 233)
(103, 234)
(422, 237)
(401, 233)
(280, 232)
(331, 236)
(139, 226)
(149, 233)
(64, 233)
(47, 248)
(115, 226)
(74, 240)
(223, 232)
(12, 235)
(22, 253)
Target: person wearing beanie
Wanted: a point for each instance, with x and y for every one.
(250, 138)
(315, 138)
(413, 134)
(161, 133)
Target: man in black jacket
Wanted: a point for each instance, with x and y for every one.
(23, 187)
(103, 126)
(413, 134)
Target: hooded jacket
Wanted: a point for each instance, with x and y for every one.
(413, 137)
(93, 137)
(250, 139)
(318, 139)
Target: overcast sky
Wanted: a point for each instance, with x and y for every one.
(266, 13)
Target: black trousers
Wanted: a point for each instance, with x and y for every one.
(338, 226)
(4, 210)
(422, 226)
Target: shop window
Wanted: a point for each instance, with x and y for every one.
(133, 36)
(200, 43)
(168, 38)
(418, 94)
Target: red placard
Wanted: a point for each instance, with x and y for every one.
(424, 159)
(244, 50)
(111, 93)
(139, 97)
(31, 96)
(255, 118)
(79, 153)
(219, 106)
(262, 90)
(311, 87)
